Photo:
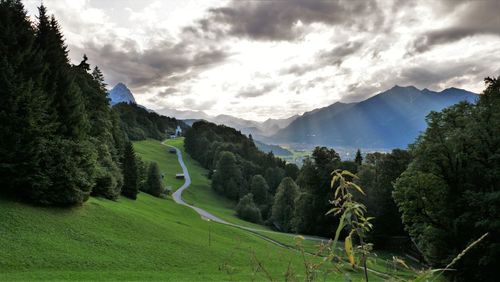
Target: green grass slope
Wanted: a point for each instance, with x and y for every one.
(154, 151)
(146, 239)
(201, 195)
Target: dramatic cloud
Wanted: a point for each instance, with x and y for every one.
(163, 64)
(276, 58)
(468, 18)
(284, 20)
(255, 91)
(333, 57)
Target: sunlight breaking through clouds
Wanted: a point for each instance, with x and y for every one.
(231, 56)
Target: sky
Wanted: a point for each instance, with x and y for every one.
(272, 59)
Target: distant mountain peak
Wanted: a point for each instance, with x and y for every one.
(399, 87)
(120, 93)
(121, 85)
(390, 119)
(452, 89)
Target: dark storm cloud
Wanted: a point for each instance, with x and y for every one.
(333, 57)
(471, 18)
(429, 76)
(159, 65)
(337, 55)
(170, 91)
(256, 91)
(276, 20)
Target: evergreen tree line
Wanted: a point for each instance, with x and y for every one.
(266, 189)
(449, 195)
(60, 142)
(239, 171)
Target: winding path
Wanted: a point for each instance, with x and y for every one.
(177, 196)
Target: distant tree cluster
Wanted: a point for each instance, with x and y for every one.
(60, 141)
(140, 124)
(238, 168)
(450, 194)
(286, 197)
(377, 176)
(312, 201)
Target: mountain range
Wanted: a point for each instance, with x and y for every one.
(259, 130)
(120, 93)
(391, 119)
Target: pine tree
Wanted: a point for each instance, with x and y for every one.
(25, 125)
(109, 179)
(358, 159)
(60, 139)
(71, 157)
(99, 78)
(154, 185)
(130, 179)
(66, 97)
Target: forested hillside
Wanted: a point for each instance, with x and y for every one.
(268, 190)
(238, 169)
(450, 194)
(140, 124)
(60, 141)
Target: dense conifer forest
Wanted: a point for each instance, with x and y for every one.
(139, 123)
(60, 141)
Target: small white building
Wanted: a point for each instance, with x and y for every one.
(178, 131)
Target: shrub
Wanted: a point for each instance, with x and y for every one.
(247, 210)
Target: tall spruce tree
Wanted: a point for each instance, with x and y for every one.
(59, 81)
(60, 139)
(25, 125)
(71, 162)
(154, 185)
(358, 159)
(99, 78)
(108, 179)
(130, 178)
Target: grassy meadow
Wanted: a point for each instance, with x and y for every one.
(146, 239)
